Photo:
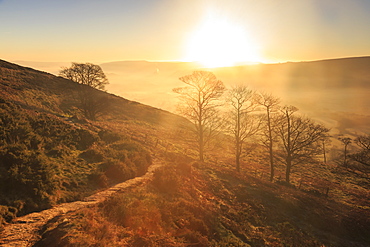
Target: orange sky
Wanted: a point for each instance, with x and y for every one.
(112, 30)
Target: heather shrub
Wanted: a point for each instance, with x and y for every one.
(28, 176)
(86, 139)
(117, 171)
(109, 136)
(98, 179)
(125, 145)
(92, 155)
(46, 158)
(7, 213)
(166, 180)
(58, 151)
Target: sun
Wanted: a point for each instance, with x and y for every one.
(218, 42)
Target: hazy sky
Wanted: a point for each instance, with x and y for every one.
(111, 30)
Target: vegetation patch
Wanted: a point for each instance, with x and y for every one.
(45, 160)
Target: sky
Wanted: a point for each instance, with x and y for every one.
(178, 30)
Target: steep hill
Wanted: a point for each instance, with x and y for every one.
(45, 92)
(50, 153)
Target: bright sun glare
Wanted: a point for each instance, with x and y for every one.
(221, 43)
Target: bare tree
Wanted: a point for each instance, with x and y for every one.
(93, 103)
(241, 124)
(362, 157)
(363, 142)
(85, 73)
(299, 138)
(325, 142)
(199, 104)
(270, 103)
(91, 77)
(346, 141)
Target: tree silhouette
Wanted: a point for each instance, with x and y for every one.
(362, 157)
(85, 73)
(199, 104)
(93, 103)
(300, 138)
(270, 103)
(241, 124)
(325, 142)
(346, 141)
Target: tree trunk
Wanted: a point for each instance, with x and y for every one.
(201, 131)
(201, 142)
(237, 141)
(201, 156)
(237, 157)
(288, 149)
(345, 155)
(288, 169)
(324, 150)
(201, 147)
(272, 170)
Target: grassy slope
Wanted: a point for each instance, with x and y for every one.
(41, 91)
(192, 204)
(203, 204)
(48, 149)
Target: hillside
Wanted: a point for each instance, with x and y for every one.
(46, 92)
(50, 153)
(193, 204)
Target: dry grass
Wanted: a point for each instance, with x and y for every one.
(208, 204)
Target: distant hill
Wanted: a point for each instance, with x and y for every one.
(334, 92)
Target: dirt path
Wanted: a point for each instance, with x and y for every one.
(23, 231)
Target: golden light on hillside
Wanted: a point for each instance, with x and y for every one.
(218, 42)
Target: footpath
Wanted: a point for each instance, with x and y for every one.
(24, 231)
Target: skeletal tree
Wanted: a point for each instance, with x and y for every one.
(346, 141)
(93, 103)
(299, 138)
(325, 142)
(241, 124)
(200, 99)
(362, 157)
(270, 103)
(363, 141)
(90, 77)
(85, 73)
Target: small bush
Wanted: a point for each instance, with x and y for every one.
(98, 179)
(166, 180)
(109, 136)
(58, 151)
(117, 171)
(28, 176)
(129, 146)
(194, 238)
(7, 213)
(92, 155)
(86, 139)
